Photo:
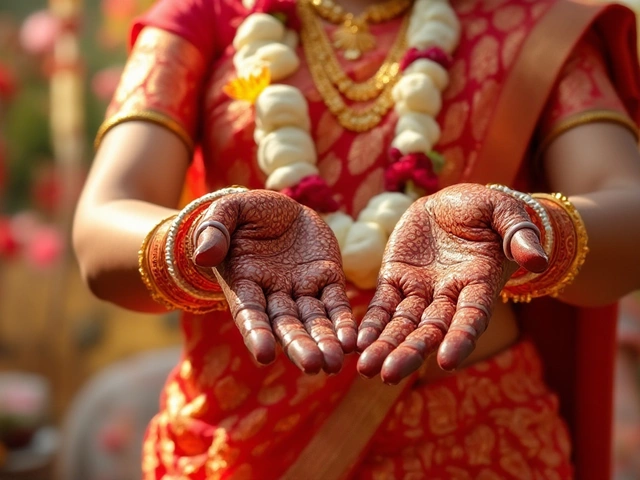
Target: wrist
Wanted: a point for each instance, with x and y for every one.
(166, 261)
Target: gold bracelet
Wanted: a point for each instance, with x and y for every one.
(567, 258)
(143, 267)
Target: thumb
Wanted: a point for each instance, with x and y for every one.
(521, 237)
(212, 236)
(527, 251)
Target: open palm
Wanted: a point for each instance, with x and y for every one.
(443, 268)
(282, 276)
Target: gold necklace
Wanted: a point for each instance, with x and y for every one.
(355, 91)
(326, 73)
(353, 36)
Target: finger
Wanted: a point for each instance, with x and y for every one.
(404, 321)
(382, 306)
(314, 318)
(212, 236)
(247, 305)
(338, 308)
(290, 332)
(420, 343)
(521, 238)
(528, 252)
(469, 322)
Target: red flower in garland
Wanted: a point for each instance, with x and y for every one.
(313, 192)
(436, 54)
(414, 167)
(284, 10)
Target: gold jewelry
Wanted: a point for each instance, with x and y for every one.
(145, 269)
(322, 51)
(584, 118)
(145, 116)
(324, 68)
(569, 254)
(353, 36)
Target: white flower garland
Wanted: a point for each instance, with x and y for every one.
(286, 151)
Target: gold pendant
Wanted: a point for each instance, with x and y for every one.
(353, 38)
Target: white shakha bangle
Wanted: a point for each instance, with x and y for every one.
(536, 207)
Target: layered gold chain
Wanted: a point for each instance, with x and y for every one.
(376, 13)
(353, 36)
(332, 82)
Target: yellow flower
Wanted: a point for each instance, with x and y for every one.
(248, 87)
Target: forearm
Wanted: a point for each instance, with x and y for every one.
(107, 240)
(612, 266)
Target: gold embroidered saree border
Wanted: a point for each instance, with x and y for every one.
(528, 87)
(335, 450)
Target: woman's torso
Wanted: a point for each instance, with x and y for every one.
(218, 388)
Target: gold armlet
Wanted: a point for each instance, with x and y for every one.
(567, 257)
(584, 118)
(145, 116)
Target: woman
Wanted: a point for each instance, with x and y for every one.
(385, 107)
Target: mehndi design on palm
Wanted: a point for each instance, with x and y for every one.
(282, 275)
(443, 268)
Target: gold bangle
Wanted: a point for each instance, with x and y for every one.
(145, 116)
(143, 267)
(584, 118)
(161, 285)
(582, 239)
(568, 257)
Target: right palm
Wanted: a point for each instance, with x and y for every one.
(282, 276)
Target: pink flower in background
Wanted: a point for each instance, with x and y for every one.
(44, 247)
(27, 235)
(38, 33)
(24, 225)
(105, 82)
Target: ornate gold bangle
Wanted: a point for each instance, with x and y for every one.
(568, 256)
(161, 285)
(145, 116)
(144, 268)
(584, 118)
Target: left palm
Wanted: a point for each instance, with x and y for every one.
(442, 270)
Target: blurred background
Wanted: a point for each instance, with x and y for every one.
(65, 358)
(79, 379)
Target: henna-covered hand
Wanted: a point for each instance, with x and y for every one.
(443, 268)
(279, 266)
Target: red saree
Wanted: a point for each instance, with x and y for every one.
(222, 416)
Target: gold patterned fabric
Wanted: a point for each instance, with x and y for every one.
(150, 92)
(493, 420)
